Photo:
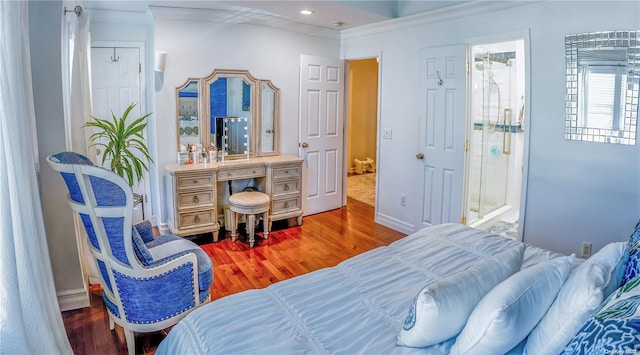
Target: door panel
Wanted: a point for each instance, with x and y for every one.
(442, 132)
(321, 131)
(312, 184)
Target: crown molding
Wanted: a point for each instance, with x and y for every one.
(439, 15)
(240, 16)
(120, 16)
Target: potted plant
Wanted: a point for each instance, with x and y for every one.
(122, 143)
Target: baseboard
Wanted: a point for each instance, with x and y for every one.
(394, 223)
(73, 299)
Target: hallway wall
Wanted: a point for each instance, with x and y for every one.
(576, 191)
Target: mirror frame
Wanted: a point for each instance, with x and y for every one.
(253, 83)
(626, 132)
(276, 120)
(199, 106)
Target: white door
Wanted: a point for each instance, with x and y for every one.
(442, 133)
(115, 84)
(321, 132)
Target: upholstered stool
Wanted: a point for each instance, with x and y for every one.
(250, 204)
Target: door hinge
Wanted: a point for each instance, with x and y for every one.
(468, 67)
(463, 220)
(139, 67)
(467, 145)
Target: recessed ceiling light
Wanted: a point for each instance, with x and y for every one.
(307, 12)
(338, 24)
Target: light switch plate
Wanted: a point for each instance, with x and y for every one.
(387, 133)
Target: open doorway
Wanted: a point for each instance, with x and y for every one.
(497, 136)
(362, 118)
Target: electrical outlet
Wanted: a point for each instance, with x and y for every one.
(586, 249)
(403, 200)
(387, 133)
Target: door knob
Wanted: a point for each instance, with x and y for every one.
(304, 145)
(420, 156)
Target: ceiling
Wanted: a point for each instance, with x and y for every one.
(330, 16)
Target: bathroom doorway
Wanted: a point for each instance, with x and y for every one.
(496, 138)
(362, 128)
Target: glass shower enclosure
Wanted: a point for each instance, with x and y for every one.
(496, 108)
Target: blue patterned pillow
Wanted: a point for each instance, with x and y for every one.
(140, 248)
(615, 328)
(633, 264)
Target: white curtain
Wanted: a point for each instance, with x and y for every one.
(30, 319)
(76, 96)
(76, 80)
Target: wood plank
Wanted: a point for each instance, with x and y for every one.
(323, 240)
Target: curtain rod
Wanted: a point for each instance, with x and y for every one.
(77, 9)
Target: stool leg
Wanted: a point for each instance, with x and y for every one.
(234, 226)
(266, 224)
(251, 226)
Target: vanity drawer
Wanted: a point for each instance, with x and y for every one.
(287, 204)
(195, 199)
(285, 187)
(196, 219)
(289, 171)
(241, 173)
(194, 181)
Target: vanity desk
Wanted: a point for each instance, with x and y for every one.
(237, 115)
(199, 191)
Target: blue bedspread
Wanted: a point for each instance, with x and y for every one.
(356, 307)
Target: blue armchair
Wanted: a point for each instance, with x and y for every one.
(148, 283)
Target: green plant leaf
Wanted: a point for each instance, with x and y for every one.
(123, 144)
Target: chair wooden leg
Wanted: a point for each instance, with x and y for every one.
(234, 226)
(251, 226)
(131, 341)
(266, 225)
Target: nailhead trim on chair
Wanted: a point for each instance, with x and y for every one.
(120, 276)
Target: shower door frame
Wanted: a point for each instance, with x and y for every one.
(503, 37)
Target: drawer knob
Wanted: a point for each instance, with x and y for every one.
(286, 187)
(286, 204)
(195, 181)
(254, 171)
(196, 199)
(286, 171)
(196, 219)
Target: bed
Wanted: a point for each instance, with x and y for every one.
(361, 305)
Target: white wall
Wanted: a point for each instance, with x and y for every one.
(195, 48)
(577, 191)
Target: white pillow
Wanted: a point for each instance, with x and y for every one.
(582, 293)
(505, 316)
(440, 310)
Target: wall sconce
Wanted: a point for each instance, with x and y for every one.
(160, 61)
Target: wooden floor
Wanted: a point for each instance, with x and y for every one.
(324, 239)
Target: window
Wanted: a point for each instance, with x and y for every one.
(603, 93)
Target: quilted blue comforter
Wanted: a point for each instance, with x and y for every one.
(358, 306)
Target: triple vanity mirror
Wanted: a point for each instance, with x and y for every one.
(233, 112)
(603, 76)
